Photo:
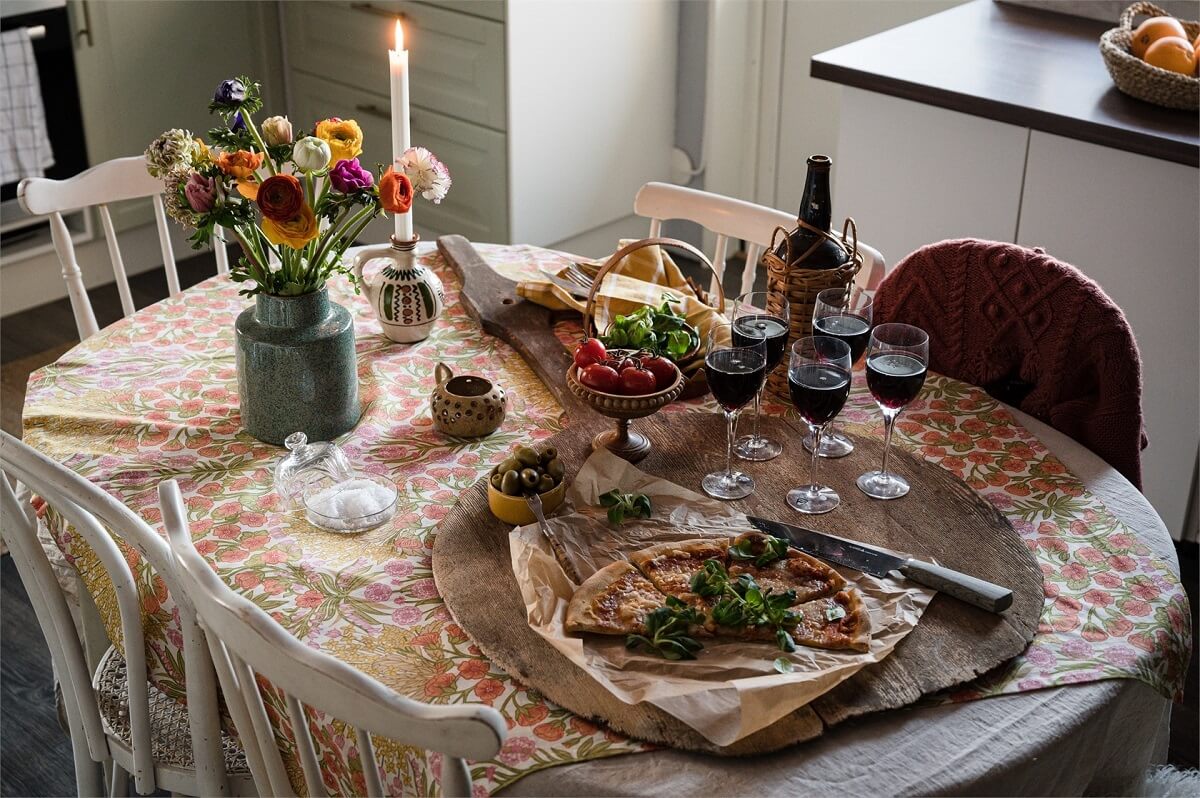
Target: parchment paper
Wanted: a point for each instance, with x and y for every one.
(732, 688)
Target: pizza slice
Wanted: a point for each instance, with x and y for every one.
(671, 566)
(808, 576)
(838, 621)
(613, 601)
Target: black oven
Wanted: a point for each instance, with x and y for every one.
(53, 49)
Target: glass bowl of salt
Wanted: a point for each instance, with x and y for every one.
(356, 504)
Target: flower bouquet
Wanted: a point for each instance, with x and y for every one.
(293, 205)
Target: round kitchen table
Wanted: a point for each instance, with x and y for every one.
(154, 397)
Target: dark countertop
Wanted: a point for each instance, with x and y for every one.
(1018, 65)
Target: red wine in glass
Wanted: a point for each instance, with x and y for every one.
(774, 329)
(853, 329)
(819, 391)
(894, 378)
(735, 375)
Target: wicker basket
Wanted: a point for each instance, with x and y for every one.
(787, 278)
(1135, 77)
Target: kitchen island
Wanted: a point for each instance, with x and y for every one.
(1001, 122)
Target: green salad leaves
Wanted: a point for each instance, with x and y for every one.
(668, 631)
(620, 505)
(741, 602)
(656, 329)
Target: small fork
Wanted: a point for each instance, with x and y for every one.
(535, 504)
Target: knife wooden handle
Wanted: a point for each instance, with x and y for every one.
(963, 587)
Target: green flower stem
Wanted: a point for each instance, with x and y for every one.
(329, 235)
(251, 254)
(258, 140)
(308, 190)
(367, 215)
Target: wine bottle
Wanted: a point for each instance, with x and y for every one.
(816, 211)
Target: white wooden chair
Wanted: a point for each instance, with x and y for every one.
(245, 641)
(734, 219)
(112, 181)
(115, 716)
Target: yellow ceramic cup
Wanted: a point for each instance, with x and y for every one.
(514, 510)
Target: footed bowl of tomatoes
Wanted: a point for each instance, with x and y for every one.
(623, 384)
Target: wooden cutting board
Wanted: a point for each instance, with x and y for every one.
(953, 643)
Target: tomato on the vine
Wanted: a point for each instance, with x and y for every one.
(600, 377)
(637, 381)
(589, 351)
(662, 369)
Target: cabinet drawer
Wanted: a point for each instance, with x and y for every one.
(456, 60)
(476, 206)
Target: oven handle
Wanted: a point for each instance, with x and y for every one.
(86, 30)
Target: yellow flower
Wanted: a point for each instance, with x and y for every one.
(343, 136)
(295, 232)
(202, 155)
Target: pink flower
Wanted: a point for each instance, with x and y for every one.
(1122, 562)
(1090, 554)
(1122, 656)
(1135, 607)
(1078, 649)
(406, 615)
(377, 592)
(1074, 572)
(423, 588)
(516, 750)
(399, 568)
(1108, 580)
(201, 192)
(1098, 598)
(1040, 656)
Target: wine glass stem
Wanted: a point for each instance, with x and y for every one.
(817, 430)
(754, 439)
(730, 421)
(889, 422)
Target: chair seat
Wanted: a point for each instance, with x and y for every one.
(170, 737)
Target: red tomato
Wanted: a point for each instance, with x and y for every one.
(589, 351)
(601, 378)
(662, 369)
(637, 382)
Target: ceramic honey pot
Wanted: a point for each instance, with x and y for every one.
(406, 297)
(466, 406)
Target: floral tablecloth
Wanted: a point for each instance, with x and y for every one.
(154, 397)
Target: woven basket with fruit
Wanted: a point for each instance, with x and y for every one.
(1156, 61)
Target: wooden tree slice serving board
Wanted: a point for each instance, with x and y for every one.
(941, 517)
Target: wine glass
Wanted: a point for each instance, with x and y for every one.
(819, 382)
(752, 319)
(843, 313)
(896, 364)
(736, 370)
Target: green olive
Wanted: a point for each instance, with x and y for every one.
(497, 481)
(529, 478)
(545, 483)
(548, 454)
(508, 464)
(526, 456)
(555, 469)
(510, 483)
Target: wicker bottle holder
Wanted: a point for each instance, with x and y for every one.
(1135, 77)
(788, 279)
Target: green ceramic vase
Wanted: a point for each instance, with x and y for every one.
(296, 368)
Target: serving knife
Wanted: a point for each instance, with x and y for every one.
(981, 593)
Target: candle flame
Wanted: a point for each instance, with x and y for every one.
(399, 36)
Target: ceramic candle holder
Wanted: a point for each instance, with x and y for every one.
(406, 297)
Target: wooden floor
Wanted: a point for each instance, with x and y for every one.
(35, 754)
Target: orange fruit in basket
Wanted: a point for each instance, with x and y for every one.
(1152, 30)
(1173, 53)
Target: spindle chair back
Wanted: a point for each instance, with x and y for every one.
(113, 181)
(246, 643)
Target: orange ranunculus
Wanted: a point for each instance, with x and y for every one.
(395, 191)
(343, 136)
(248, 189)
(294, 232)
(280, 197)
(240, 164)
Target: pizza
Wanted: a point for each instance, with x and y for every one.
(752, 587)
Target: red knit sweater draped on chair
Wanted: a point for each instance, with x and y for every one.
(1031, 330)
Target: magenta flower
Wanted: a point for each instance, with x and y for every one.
(201, 192)
(347, 176)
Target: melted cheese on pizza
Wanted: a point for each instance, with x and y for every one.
(626, 603)
(809, 577)
(671, 571)
(834, 622)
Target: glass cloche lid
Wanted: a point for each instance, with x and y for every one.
(307, 466)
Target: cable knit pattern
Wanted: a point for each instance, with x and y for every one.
(1032, 331)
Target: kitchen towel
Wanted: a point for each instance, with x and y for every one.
(24, 141)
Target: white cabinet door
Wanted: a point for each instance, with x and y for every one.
(150, 66)
(911, 174)
(476, 206)
(1129, 223)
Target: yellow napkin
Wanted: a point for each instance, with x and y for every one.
(644, 277)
